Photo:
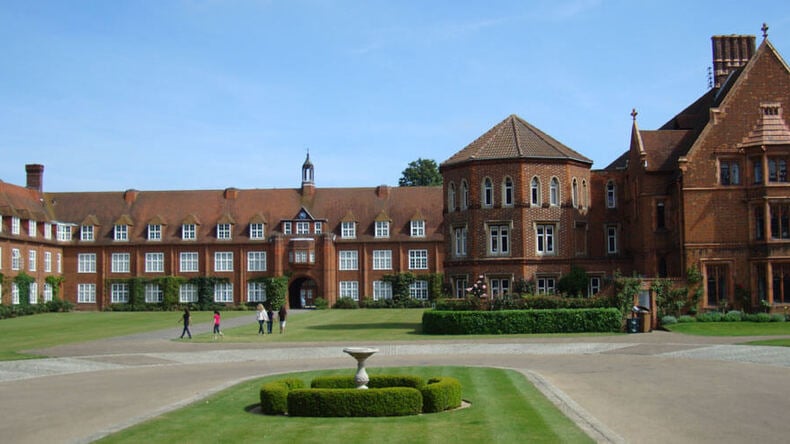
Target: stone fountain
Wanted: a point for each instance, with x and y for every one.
(361, 354)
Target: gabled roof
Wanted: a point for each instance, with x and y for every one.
(514, 138)
(22, 202)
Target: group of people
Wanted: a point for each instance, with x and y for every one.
(264, 316)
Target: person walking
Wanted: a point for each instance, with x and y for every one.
(187, 319)
(270, 318)
(261, 317)
(282, 314)
(217, 331)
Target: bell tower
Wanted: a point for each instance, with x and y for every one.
(308, 176)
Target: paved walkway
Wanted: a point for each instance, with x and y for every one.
(641, 388)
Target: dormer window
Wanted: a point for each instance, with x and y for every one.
(154, 232)
(287, 228)
(348, 230)
(15, 223)
(302, 227)
(382, 228)
(256, 231)
(86, 233)
(32, 228)
(418, 228)
(318, 228)
(188, 232)
(120, 232)
(223, 231)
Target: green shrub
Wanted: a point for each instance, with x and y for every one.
(391, 401)
(376, 381)
(274, 395)
(733, 316)
(686, 318)
(441, 394)
(321, 303)
(778, 317)
(522, 321)
(758, 317)
(711, 316)
(669, 320)
(346, 302)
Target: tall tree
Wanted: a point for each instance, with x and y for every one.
(419, 173)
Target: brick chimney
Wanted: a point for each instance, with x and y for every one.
(35, 176)
(730, 52)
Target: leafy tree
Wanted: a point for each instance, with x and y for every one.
(420, 173)
(573, 283)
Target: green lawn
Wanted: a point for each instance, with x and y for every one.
(732, 328)
(50, 329)
(505, 407)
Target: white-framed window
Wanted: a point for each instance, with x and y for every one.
(499, 239)
(256, 231)
(595, 285)
(47, 229)
(32, 228)
(459, 241)
(256, 292)
(419, 290)
(382, 290)
(585, 197)
(488, 193)
(382, 259)
(223, 292)
(382, 228)
(451, 197)
(86, 293)
(47, 262)
(60, 263)
(188, 231)
(349, 260)
(418, 228)
(302, 227)
(15, 225)
(121, 232)
(86, 263)
(418, 259)
(187, 293)
(48, 292)
(318, 228)
(287, 228)
(554, 192)
(14, 294)
(188, 262)
(86, 233)
(16, 259)
(460, 287)
(611, 195)
(31, 260)
(119, 293)
(32, 294)
(119, 262)
(302, 256)
(507, 192)
(64, 233)
(499, 287)
(256, 261)
(223, 231)
(544, 239)
(545, 285)
(153, 293)
(575, 193)
(534, 192)
(154, 262)
(154, 232)
(223, 261)
(349, 289)
(611, 239)
(464, 195)
(348, 230)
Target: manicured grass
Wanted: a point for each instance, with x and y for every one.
(505, 407)
(772, 342)
(731, 328)
(50, 329)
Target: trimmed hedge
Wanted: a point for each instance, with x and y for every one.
(522, 321)
(441, 394)
(274, 395)
(391, 401)
(376, 381)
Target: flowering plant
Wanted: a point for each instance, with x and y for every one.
(478, 290)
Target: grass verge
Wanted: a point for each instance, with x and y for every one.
(731, 328)
(505, 407)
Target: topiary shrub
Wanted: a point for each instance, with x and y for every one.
(758, 317)
(522, 321)
(711, 316)
(669, 320)
(391, 401)
(733, 316)
(440, 394)
(376, 381)
(274, 395)
(686, 318)
(778, 317)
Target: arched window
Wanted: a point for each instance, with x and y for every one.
(554, 192)
(464, 195)
(611, 195)
(451, 197)
(488, 193)
(585, 196)
(575, 193)
(534, 192)
(507, 192)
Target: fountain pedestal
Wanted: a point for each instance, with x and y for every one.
(361, 354)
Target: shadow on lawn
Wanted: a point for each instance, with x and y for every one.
(415, 327)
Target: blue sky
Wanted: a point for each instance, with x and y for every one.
(210, 94)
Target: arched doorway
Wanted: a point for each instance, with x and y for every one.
(302, 293)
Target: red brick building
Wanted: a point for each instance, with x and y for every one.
(708, 190)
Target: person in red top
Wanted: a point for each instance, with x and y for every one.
(217, 331)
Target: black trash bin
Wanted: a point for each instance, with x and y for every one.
(632, 325)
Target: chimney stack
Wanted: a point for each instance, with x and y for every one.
(730, 52)
(35, 176)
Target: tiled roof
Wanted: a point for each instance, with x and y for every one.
(771, 129)
(22, 202)
(271, 205)
(662, 146)
(514, 138)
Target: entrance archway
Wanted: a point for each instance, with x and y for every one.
(302, 293)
